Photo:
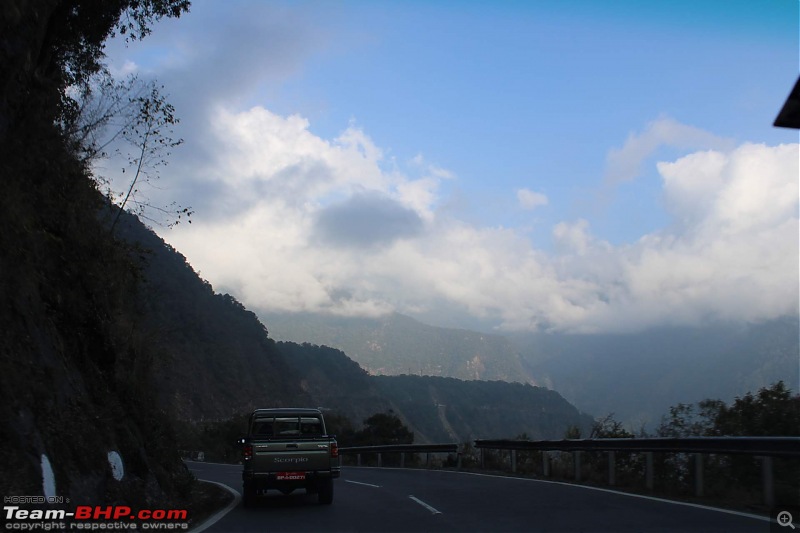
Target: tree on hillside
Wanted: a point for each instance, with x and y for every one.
(340, 426)
(687, 420)
(771, 411)
(609, 428)
(55, 47)
(68, 290)
(384, 428)
(149, 135)
(133, 120)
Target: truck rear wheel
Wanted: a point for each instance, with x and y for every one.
(325, 496)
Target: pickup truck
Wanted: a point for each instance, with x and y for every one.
(288, 449)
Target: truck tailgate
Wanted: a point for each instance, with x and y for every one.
(290, 456)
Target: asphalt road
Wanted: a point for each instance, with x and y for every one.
(400, 500)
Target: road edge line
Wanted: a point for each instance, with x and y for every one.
(216, 517)
(433, 510)
(589, 487)
(362, 483)
(210, 463)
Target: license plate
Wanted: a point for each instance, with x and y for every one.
(290, 476)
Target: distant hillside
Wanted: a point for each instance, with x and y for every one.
(397, 344)
(452, 410)
(216, 361)
(334, 381)
(436, 409)
(638, 377)
(635, 376)
(215, 358)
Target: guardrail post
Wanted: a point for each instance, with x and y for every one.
(648, 476)
(358, 459)
(698, 474)
(612, 464)
(514, 461)
(696, 448)
(458, 464)
(380, 461)
(402, 460)
(428, 460)
(768, 481)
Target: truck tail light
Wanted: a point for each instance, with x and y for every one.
(247, 450)
(334, 450)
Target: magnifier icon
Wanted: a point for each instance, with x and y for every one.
(785, 519)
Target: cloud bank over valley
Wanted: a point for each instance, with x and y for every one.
(290, 217)
(302, 223)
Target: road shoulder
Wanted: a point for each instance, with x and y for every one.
(211, 501)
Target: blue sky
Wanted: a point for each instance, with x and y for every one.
(503, 93)
(512, 165)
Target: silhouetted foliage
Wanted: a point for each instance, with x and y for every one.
(341, 427)
(771, 411)
(609, 428)
(383, 428)
(75, 367)
(684, 420)
(216, 360)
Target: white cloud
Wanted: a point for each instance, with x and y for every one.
(122, 72)
(288, 220)
(530, 199)
(733, 255)
(305, 223)
(625, 164)
(572, 237)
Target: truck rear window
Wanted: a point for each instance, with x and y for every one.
(287, 426)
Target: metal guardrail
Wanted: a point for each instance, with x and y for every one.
(764, 447)
(402, 449)
(761, 446)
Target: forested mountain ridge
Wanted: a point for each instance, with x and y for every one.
(396, 344)
(334, 381)
(647, 371)
(453, 410)
(215, 357)
(218, 362)
(436, 409)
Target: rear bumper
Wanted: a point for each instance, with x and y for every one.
(268, 480)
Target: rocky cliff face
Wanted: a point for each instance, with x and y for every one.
(74, 367)
(76, 415)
